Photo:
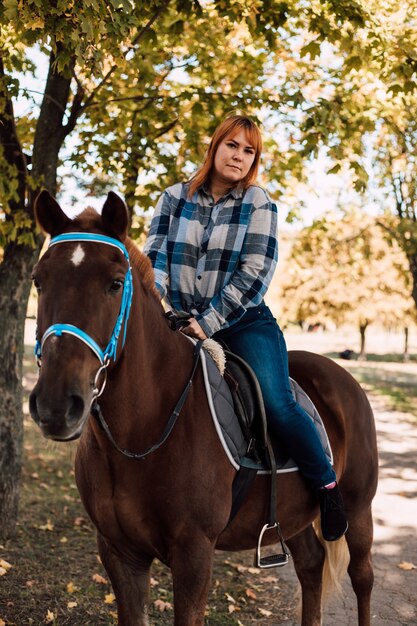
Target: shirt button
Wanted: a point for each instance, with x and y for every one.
(199, 277)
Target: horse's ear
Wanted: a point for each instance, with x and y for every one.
(49, 215)
(115, 216)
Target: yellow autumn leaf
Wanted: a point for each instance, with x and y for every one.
(2, 622)
(230, 598)
(100, 579)
(232, 608)
(49, 617)
(109, 598)
(265, 613)
(406, 566)
(4, 564)
(72, 605)
(48, 526)
(162, 606)
(71, 588)
(3, 571)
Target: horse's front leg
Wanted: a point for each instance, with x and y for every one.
(130, 583)
(191, 563)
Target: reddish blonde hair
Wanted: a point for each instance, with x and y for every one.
(229, 128)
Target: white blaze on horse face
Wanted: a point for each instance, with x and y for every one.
(78, 255)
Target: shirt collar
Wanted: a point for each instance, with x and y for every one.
(236, 192)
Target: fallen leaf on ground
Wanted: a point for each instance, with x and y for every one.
(265, 613)
(251, 594)
(100, 579)
(232, 608)
(5, 564)
(71, 605)
(49, 617)
(230, 598)
(109, 598)
(242, 569)
(71, 588)
(2, 622)
(162, 606)
(48, 526)
(269, 579)
(407, 566)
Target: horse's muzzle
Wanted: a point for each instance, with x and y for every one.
(63, 422)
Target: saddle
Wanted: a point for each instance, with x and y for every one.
(250, 411)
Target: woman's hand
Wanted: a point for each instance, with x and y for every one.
(194, 330)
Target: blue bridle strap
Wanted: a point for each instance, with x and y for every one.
(59, 329)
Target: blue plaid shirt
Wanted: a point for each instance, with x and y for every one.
(214, 260)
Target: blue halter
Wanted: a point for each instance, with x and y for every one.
(104, 356)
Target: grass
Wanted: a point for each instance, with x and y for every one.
(391, 379)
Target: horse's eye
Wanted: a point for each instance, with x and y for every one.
(36, 285)
(116, 285)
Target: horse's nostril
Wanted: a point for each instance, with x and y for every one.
(33, 409)
(76, 407)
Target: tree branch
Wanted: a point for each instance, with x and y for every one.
(50, 131)
(136, 40)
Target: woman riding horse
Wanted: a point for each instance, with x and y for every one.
(213, 245)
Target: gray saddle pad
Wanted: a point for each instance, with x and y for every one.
(227, 425)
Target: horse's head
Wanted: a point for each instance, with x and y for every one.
(84, 286)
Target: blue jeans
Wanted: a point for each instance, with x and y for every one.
(258, 339)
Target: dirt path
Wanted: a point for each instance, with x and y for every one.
(394, 600)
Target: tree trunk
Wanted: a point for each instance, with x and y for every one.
(412, 261)
(15, 273)
(362, 330)
(14, 289)
(406, 355)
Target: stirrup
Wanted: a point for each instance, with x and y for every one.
(274, 560)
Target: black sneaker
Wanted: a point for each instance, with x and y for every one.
(333, 518)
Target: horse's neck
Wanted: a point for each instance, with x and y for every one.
(156, 364)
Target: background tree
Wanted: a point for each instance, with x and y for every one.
(342, 270)
(360, 113)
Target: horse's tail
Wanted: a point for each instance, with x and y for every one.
(335, 563)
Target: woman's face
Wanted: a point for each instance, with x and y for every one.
(233, 159)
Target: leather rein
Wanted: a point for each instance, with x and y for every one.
(96, 412)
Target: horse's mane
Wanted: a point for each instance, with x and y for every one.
(141, 262)
(89, 219)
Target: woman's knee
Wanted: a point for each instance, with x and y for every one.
(285, 411)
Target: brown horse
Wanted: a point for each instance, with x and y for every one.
(174, 504)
